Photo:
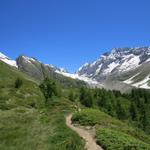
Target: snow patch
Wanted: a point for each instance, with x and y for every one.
(98, 70)
(130, 63)
(28, 59)
(85, 65)
(111, 67)
(148, 60)
(63, 70)
(8, 61)
(129, 81)
(76, 76)
(49, 65)
(143, 83)
(93, 64)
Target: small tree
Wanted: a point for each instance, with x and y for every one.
(49, 89)
(18, 83)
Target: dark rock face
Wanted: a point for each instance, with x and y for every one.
(33, 67)
(38, 70)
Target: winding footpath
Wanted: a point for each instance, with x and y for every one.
(90, 142)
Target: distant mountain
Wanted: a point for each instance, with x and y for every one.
(38, 70)
(120, 68)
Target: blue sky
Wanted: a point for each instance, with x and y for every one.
(68, 33)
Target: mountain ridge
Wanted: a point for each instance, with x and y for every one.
(119, 62)
(121, 68)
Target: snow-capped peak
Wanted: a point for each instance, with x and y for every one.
(28, 59)
(7, 60)
(119, 60)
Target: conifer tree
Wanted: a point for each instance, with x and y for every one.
(86, 97)
(49, 89)
(121, 113)
(133, 111)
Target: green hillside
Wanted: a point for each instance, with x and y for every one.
(32, 115)
(111, 133)
(26, 123)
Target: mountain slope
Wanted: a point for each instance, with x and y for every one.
(111, 133)
(122, 65)
(25, 121)
(38, 70)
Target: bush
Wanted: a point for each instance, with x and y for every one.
(112, 139)
(18, 83)
(99, 119)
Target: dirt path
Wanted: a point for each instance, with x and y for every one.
(90, 142)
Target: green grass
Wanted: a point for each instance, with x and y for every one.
(29, 129)
(63, 138)
(111, 139)
(26, 123)
(111, 132)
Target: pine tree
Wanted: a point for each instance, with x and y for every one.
(82, 93)
(144, 120)
(121, 113)
(49, 89)
(133, 111)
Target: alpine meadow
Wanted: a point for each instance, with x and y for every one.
(74, 75)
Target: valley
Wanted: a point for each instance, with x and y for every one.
(45, 107)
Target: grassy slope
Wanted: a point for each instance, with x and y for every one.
(25, 122)
(112, 133)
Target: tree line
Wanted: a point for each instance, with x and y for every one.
(133, 106)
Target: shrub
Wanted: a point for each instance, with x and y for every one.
(112, 139)
(18, 83)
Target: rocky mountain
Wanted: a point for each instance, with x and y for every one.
(39, 70)
(120, 68)
(34, 68)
